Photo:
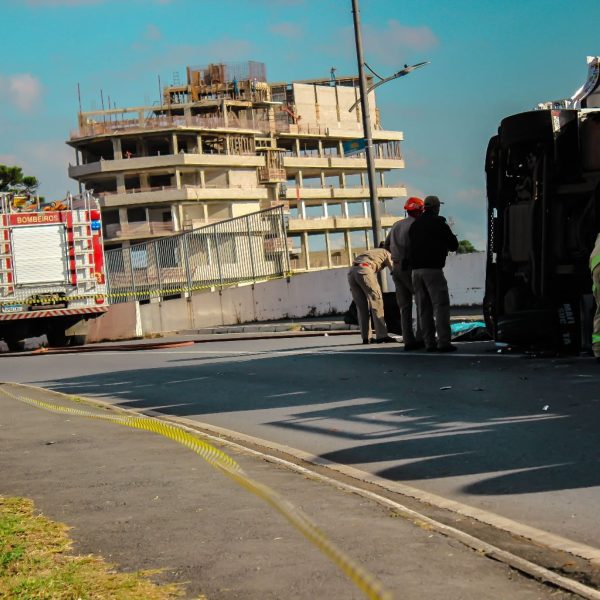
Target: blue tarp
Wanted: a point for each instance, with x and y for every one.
(469, 331)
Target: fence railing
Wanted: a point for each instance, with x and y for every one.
(240, 250)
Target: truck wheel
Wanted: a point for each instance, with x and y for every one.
(76, 340)
(14, 343)
(56, 338)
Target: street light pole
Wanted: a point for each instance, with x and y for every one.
(366, 119)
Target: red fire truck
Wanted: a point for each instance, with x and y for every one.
(52, 273)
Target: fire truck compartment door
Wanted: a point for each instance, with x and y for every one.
(39, 254)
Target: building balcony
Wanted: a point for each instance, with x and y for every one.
(143, 163)
(142, 229)
(331, 131)
(313, 164)
(187, 193)
(174, 122)
(342, 193)
(337, 223)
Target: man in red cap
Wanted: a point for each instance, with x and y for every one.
(397, 242)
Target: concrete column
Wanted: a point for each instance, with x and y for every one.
(174, 144)
(345, 211)
(121, 183)
(224, 111)
(205, 211)
(322, 178)
(362, 179)
(77, 157)
(304, 245)
(118, 153)
(302, 208)
(178, 216)
(300, 179)
(175, 216)
(342, 179)
(122, 215)
(201, 179)
(365, 208)
(177, 178)
(325, 210)
(199, 143)
(348, 242)
(297, 146)
(340, 147)
(144, 181)
(381, 179)
(321, 149)
(328, 250)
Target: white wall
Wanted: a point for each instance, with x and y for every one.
(314, 293)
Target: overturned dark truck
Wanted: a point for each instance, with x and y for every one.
(543, 190)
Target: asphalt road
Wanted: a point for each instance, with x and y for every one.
(503, 433)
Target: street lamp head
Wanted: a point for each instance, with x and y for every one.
(382, 81)
(406, 70)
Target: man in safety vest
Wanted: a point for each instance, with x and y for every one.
(366, 292)
(397, 242)
(594, 267)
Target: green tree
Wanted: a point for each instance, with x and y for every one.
(465, 247)
(12, 179)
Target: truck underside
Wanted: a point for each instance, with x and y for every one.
(543, 186)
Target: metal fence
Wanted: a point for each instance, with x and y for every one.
(241, 250)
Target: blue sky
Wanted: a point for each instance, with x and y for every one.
(488, 60)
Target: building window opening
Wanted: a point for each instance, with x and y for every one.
(132, 183)
(136, 215)
(160, 181)
(158, 147)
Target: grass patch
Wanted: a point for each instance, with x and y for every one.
(36, 563)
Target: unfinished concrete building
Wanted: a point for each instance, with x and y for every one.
(228, 143)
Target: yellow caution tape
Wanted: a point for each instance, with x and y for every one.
(142, 294)
(366, 582)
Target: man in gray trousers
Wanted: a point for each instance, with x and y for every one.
(430, 241)
(398, 244)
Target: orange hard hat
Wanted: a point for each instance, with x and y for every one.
(414, 203)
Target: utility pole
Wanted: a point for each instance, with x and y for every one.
(366, 119)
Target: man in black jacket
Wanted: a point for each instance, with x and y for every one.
(430, 241)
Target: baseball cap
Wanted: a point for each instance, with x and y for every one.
(413, 203)
(432, 202)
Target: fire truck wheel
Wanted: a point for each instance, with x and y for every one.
(76, 340)
(14, 343)
(56, 338)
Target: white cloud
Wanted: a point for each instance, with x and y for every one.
(63, 2)
(8, 159)
(23, 90)
(48, 160)
(51, 3)
(471, 197)
(390, 44)
(286, 29)
(152, 33)
(182, 55)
